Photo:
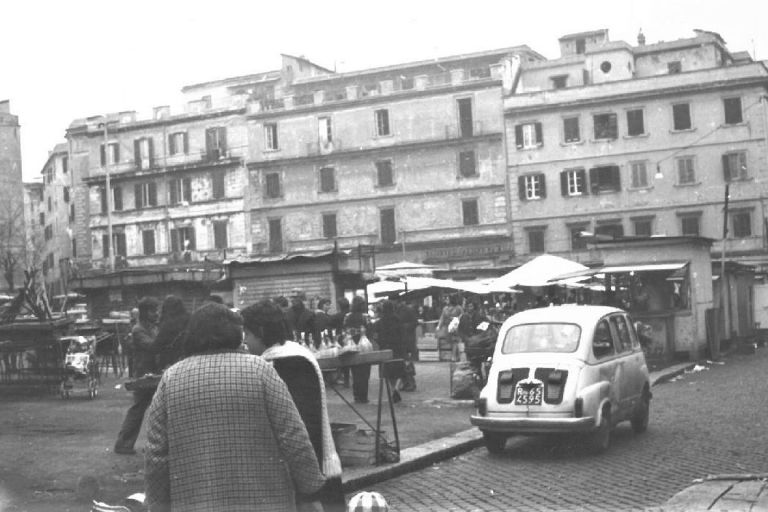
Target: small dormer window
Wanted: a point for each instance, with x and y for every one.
(559, 82)
(581, 46)
(674, 67)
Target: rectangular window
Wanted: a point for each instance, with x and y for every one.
(329, 225)
(119, 244)
(182, 239)
(148, 241)
(528, 135)
(742, 224)
(324, 130)
(686, 173)
(467, 167)
(110, 154)
(272, 189)
(145, 195)
(388, 228)
(384, 176)
(535, 241)
(180, 191)
(103, 199)
(217, 184)
(735, 166)
(674, 67)
(642, 227)
(65, 192)
(639, 173)
(270, 136)
(382, 122)
(470, 213)
(581, 46)
(177, 143)
(613, 229)
(143, 153)
(531, 187)
(681, 116)
(732, 107)
(605, 179)
(64, 164)
(275, 236)
(578, 242)
(635, 122)
(71, 213)
(559, 81)
(220, 234)
(573, 182)
(117, 198)
(571, 131)
(42, 219)
(216, 143)
(689, 225)
(465, 117)
(606, 126)
(327, 179)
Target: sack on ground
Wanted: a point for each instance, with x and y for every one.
(463, 382)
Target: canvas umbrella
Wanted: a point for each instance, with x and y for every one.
(538, 272)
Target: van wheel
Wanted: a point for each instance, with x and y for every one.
(600, 439)
(642, 412)
(494, 442)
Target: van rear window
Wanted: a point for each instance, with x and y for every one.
(541, 337)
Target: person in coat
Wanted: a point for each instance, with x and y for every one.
(356, 324)
(172, 328)
(223, 432)
(297, 366)
(143, 337)
(389, 335)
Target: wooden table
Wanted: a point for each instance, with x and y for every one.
(380, 357)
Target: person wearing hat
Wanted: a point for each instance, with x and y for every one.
(223, 432)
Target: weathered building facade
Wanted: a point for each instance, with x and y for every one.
(619, 140)
(12, 242)
(56, 216)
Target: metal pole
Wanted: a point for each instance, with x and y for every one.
(108, 192)
(724, 292)
(402, 243)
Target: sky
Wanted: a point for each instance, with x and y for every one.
(60, 61)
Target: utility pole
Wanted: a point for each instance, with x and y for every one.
(402, 242)
(108, 192)
(724, 289)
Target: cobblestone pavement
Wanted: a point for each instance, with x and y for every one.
(704, 422)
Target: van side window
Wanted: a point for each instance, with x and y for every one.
(602, 343)
(622, 330)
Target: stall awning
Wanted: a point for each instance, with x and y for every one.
(621, 269)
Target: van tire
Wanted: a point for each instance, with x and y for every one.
(600, 439)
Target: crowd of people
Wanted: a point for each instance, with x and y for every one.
(239, 420)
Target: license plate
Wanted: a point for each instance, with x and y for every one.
(528, 395)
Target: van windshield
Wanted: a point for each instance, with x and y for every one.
(543, 337)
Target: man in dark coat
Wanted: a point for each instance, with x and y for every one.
(143, 336)
(299, 317)
(409, 321)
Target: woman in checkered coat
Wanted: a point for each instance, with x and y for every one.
(223, 432)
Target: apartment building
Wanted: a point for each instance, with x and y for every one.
(11, 199)
(55, 218)
(408, 159)
(612, 140)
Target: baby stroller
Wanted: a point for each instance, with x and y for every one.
(80, 370)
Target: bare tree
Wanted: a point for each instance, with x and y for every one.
(13, 240)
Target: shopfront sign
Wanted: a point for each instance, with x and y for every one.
(463, 252)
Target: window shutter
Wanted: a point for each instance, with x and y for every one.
(616, 178)
(564, 182)
(186, 143)
(187, 184)
(582, 174)
(152, 194)
(174, 194)
(172, 144)
(105, 245)
(543, 184)
(103, 155)
(118, 197)
(192, 244)
(103, 197)
(137, 196)
(726, 168)
(613, 126)
(521, 187)
(223, 140)
(209, 140)
(519, 136)
(594, 184)
(117, 152)
(539, 134)
(151, 149)
(137, 151)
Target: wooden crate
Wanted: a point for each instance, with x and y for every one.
(429, 355)
(356, 447)
(427, 342)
